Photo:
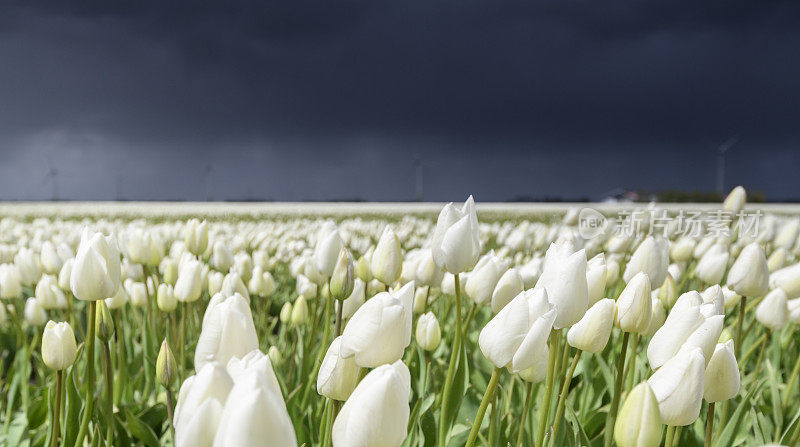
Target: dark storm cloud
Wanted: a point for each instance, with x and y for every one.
(315, 99)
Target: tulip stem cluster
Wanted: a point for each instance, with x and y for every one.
(455, 354)
(562, 398)
(709, 424)
(91, 313)
(612, 413)
(544, 410)
(57, 409)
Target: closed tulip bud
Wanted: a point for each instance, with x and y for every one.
(189, 286)
(713, 264)
(286, 312)
(538, 371)
(165, 365)
(634, 305)
(517, 335)
(227, 331)
(338, 376)
(657, 318)
(214, 280)
(305, 287)
(232, 284)
(363, 269)
(254, 361)
(777, 260)
(35, 314)
(591, 333)
(668, 292)
(96, 272)
(722, 374)
(165, 298)
(380, 330)
(199, 406)
(243, 266)
(386, 260)
(221, 257)
(10, 285)
(274, 355)
(428, 273)
(787, 278)
(28, 265)
(50, 260)
(58, 345)
(141, 247)
(509, 286)
(735, 200)
(639, 419)
(773, 310)
(428, 334)
(195, 236)
(652, 258)
(169, 270)
(612, 271)
(49, 295)
(456, 243)
(326, 252)
(420, 299)
(681, 250)
(299, 311)
(343, 277)
(678, 387)
(481, 282)
(104, 324)
(749, 275)
(64, 274)
(714, 297)
(377, 412)
(564, 278)
(596, 278)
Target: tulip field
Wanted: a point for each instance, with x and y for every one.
(382, 325)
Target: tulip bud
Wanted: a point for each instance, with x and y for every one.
(64, 274)
(58, 345)
(787, 278)
(778, 259)
(343, 276)
(10, 284)
(305, 287)
(363, 268)
(564, 278)
(299, 311)
(169, 270)
(386, 260)
(678, 387)
(355, 300)
(96, 272)
(749, 275)
(35, 314)
(227, 331)
(165, 298)
(428, 334)
(722, 374)
(596, 278)
(713, 264)
(634, 305)
(773, 310)
(188, 287)
(214, 280)
(639, 419)
(104, 324)
(652, 258)
(286, 312)
(221, 257)
(326, 252)
(428, 273)
(195, 236)
(456, 243)
(274, 355)
(681, 250)
(668, 292)
(735, 200)
(165, 365)
(591, 333)
(656, 318)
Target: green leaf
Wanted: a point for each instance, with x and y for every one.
(428, 425)
(460, 383)
(73, 406)
(141, 430)
(791, 430)
(775, 395)
(17, 431)
(728, 434)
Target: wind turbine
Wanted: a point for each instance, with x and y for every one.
(721, 150)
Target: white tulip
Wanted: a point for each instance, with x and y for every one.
(51, 261)
(564, 279)
(428, 333)
(428, 273)
(58, 345)
(639, 419)
(517, 335)
(735, 200)
(337, 376)
(456, 242)
(651, 257)
(722, 374)
(195, 236)
(591, 333)
(596, 278)
(684, 329)
(749, 275)
(481, 282)
(634, 305)
(189, 286)
(227, 331)
(678, 387)
(788, 279)
(96, 271)
(380, 330)
(355, 300)
(35, 314)
(221, 257)
(386, 263)
(28, 265)
(713, 264)
(377, 412)
(508, 286)
(326, 251)
(773, 310)
(200, 403)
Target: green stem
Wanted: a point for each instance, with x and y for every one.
(562, 399)
(524, 416)
(90, 382)
(487, 396)
(709, 424)
(670, 436)
(760, 356)
(612, 413)
(57, 409)
(544, 410)
(182, 341)
(631, 369)
(109, 394)
(170, 414)
(469, 316)
(737, 344)
(455, 353)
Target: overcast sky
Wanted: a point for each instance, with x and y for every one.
(324, 100)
